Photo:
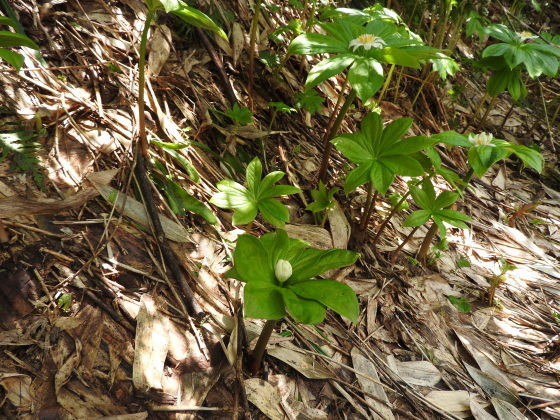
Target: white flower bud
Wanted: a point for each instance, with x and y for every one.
(482, 139)
(283, 270)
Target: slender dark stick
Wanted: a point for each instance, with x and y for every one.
(260, 347)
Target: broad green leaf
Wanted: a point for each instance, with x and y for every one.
(402, 165)
(13, 58)
(411, 145)
(244, 214)
(516, 86)
(372, 126)
(274, 212)
(264, 301)
(366, 77)
(498, 82)
(185, 163)
(547, 48)
(335, 295)
(530, 157)
(251, 261)
(314, 262)
(253, 175)
(195, 17)
(417, 218)
(357, 177)
(10, 39)
(278, 190)
(393, 133)
(445, 199)
(453, 217)
(381, 177)
(311, 43)
(328, 68)
(461, 303)
(303, 310)
(7, 21)
(452, 138)
(497, 49)
(501, 32)
(278, 245)
(268, 181)
(350, 146)
(397, 56)
(421, 197)
(186, 201)
(481, 158)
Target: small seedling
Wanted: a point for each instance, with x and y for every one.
(323, 201)
(257, 197)
(461, 303)
(280, 272)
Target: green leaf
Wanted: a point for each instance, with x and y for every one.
(498, 82)
(278, 190)
(195, 17)
(366, 77)
(251, 261)
(452, 138)
(170, 148)
(402, 165)
(15, 59)
(397, 56)
(411, 145)
(337, 296)
(274, 212)
(393, 133)
(357, 177)
(417, 218)
(186, 201)
(445, 199)
(245, 214)
(328, 68)
(481, 158)
(353, 147)
(10, 39)
(267, 183)
(309, 100)
(460, 303)
(311, 43)
(253, 175)
(240, 115)
(264, 301)
(314, 262)
(381, 177)
(303, 310)
(7, 21)
(421, 197)
(528, 156)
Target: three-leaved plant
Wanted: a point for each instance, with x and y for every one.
(380, 153)
(434, 207)
(280, 275)
(257, 197)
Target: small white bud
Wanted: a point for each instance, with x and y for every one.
(482, 139)
(283, 270)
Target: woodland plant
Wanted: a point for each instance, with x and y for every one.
(323, 201)
(10, 40)
(280, 275)
(361, 43)
(257, 197)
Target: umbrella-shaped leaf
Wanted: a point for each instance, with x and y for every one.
(263, 301)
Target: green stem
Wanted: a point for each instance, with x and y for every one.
(425, 247)
(368, 202)
(388, 219)
(252, 41)
(490, 106)
(324, 219)
(142, 83)
(386, 84)
(249, 226)
(398, 250)
(369, 210)
(260, 347)
(332, 133)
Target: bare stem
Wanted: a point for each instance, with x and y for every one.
(400, 247)
(142, 84)
(260, 347)
(388, 219)
(490, 106)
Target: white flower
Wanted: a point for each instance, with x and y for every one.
(367, 41)
(482, 139)
(283, 270)
(525, 35)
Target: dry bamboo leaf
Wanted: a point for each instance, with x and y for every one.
(136, 416)
(340, 227)
(506, 411)
(451, 401)
(351, 400)
(246, 131)
(487, 365)
(265, 397)
(136, 211)
(490, 385)
(152, 344)
(315, 236)
(237, 42)
(303, 363)
(65, 371)
(159, 49)
(479, 413)
(17, 390)
(422, 373)
(67, 322)
(365, 366)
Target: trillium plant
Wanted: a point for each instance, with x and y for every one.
(257, 197)
(281, 278)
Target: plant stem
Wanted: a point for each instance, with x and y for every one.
(473, 118)
(368, 209)
(383, 225)
(490, 106)
(386, 85)
(396, 251)
(260, 347)
(142, 84)
(332, 133)
(254, 27)
(425, 247)
(249, 226)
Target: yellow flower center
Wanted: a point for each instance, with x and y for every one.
(366, 38)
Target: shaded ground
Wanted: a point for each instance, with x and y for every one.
(124, 343)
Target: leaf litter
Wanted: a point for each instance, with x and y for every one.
(412, 354)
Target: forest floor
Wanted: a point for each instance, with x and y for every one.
(91, 325)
